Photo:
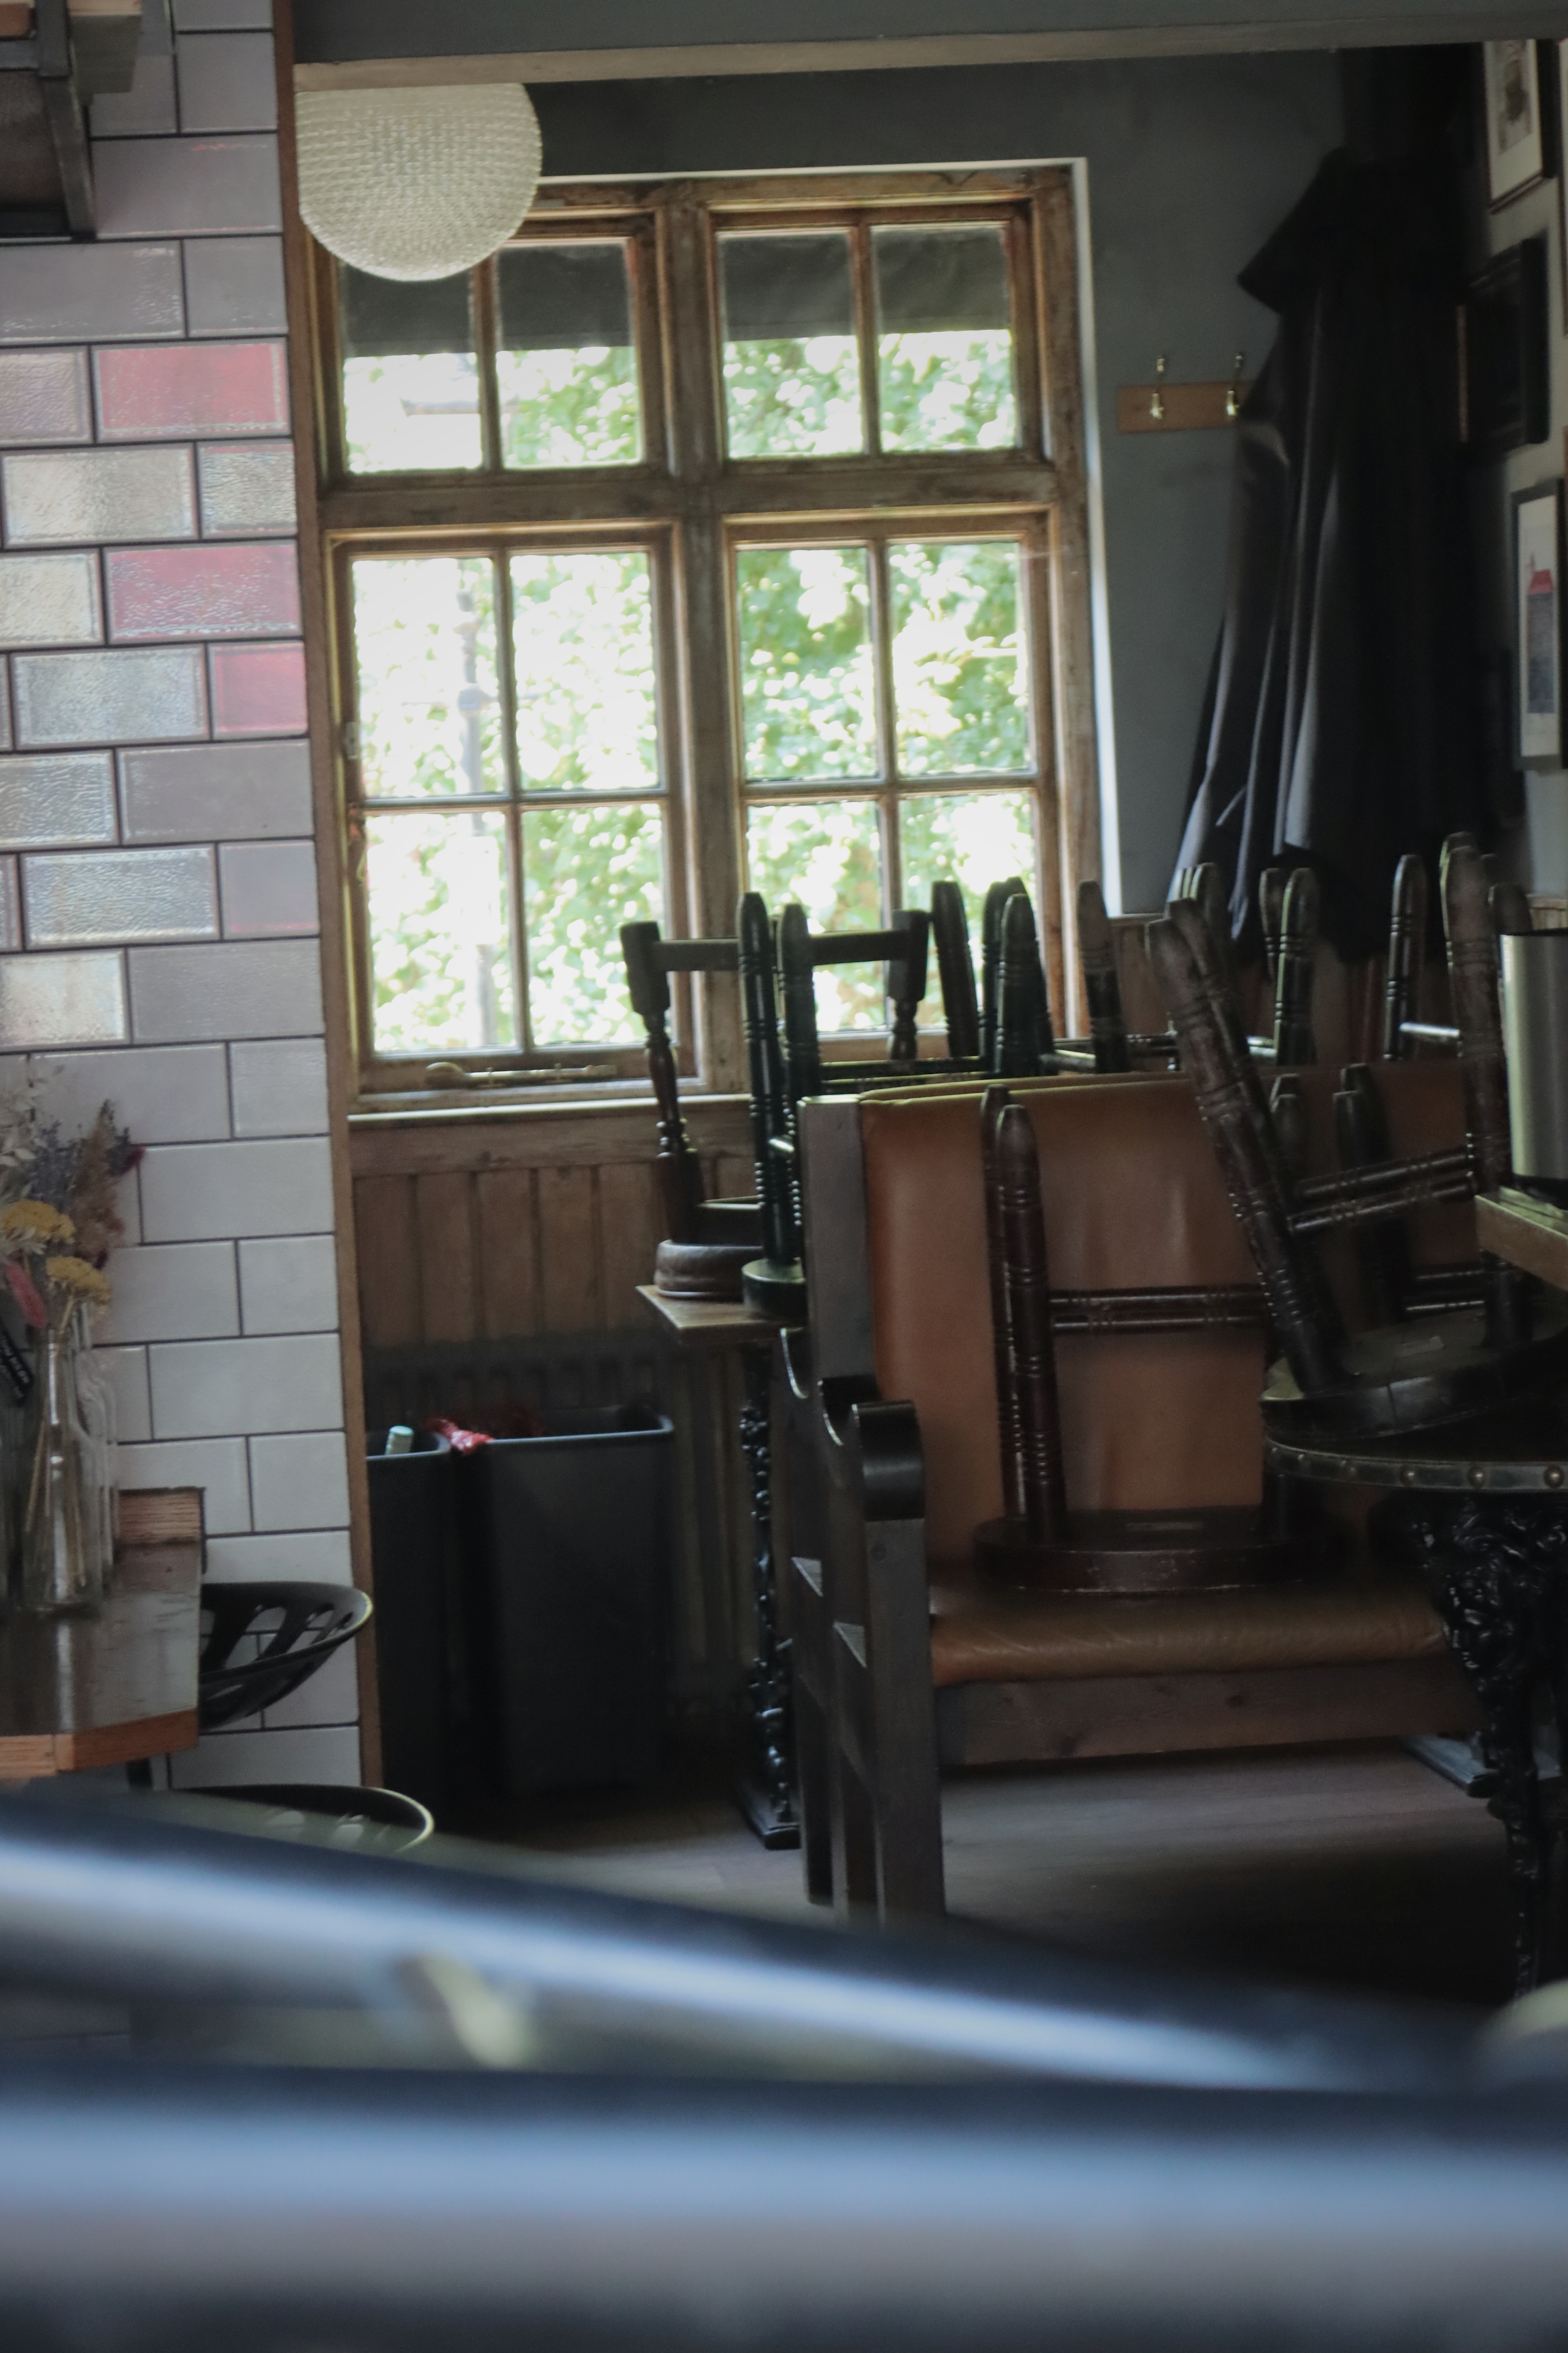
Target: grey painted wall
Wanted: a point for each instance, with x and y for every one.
(1191, 163)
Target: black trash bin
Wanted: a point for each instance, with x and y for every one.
(413, 1554)
(568, 1550)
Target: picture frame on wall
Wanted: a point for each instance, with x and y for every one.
(1505, 374)
(1538, 625)
(1516, 149)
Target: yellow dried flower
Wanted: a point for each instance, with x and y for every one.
(82, 1281)
(31, 1225)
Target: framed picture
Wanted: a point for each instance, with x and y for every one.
(1505, 382)
(1538, 622)
(1516, 132)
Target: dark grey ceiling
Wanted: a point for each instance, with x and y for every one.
(584, 31)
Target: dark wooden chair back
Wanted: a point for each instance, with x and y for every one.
(649, 960)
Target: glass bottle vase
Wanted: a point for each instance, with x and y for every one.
(61, 1564)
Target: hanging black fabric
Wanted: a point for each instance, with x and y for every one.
(1340, 726)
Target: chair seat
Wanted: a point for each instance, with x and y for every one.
(983, 1636)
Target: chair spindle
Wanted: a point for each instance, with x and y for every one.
(1101, 982)
(1406, 957)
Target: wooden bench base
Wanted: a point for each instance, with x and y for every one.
(1147, 1715)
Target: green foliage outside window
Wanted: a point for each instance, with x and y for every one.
(430, 711)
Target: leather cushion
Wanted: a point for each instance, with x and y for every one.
(981, 1637)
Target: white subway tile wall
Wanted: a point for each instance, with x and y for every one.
(58, 496)
(158, 912)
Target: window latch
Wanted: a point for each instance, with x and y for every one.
(348, 739)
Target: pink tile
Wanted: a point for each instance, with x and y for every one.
(202, 592)
(164, 392)
(258, 690)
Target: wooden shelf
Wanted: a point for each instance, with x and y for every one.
(75, 1692)
(1528, 1233)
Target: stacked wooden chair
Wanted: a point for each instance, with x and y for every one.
(706, 1242)
(1470, 1357)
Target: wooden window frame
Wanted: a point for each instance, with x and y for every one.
(690, 506)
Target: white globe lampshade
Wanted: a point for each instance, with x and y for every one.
(416, 183)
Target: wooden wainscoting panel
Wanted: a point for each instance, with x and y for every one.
(507, 1205)
(569, 1250)
(630, 1221)
(388, 1252)
(445, 1211)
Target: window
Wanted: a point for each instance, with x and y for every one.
(712, 532)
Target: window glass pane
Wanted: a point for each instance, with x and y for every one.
(805, 662)
(792, 373)
(587, 871)
(565, 362)
(959, 682)
(439, 933)
(411, 385)
(583, 635)
(970, 838)
(944, 341)
(828, 856)
(425, 639)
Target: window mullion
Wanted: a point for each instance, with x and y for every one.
(702, 596)
(483, 307)
(866, 335)
(506, 674)
(886, 726)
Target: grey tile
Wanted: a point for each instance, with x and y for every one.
(4, 707)
(187, 187)
(179, 1290)
(10, 905)
(87, 896)
(228, 82)
(64, 801)
(217, 1465)
(145, 110)
(241, 989)
(62, 1000)
(206, 1388)
(126, 1371)
(318, 1557)
(57, 496)
(228, 1760)
(163, 1094)
(279, 1087)
(247, 486)
(128, 696)
(222, 15)
(234, 286)
(330, 1696)
(289, 1284)
(88, 294)
(207, 1192)
(299, 1482)
(44, 397)
(269, 889)
(157, 30)
(50, 600)
(218, 792)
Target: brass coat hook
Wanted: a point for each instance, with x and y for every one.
(1233, 398)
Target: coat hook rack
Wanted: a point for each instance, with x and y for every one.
(1163, 406)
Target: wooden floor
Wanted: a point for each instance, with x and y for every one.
(1350, 1867)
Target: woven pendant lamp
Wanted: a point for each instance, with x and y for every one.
(416, 183)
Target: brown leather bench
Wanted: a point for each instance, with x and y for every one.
(904, 1661)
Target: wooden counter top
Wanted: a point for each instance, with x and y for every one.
(77, 1691)
(709, 1322)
